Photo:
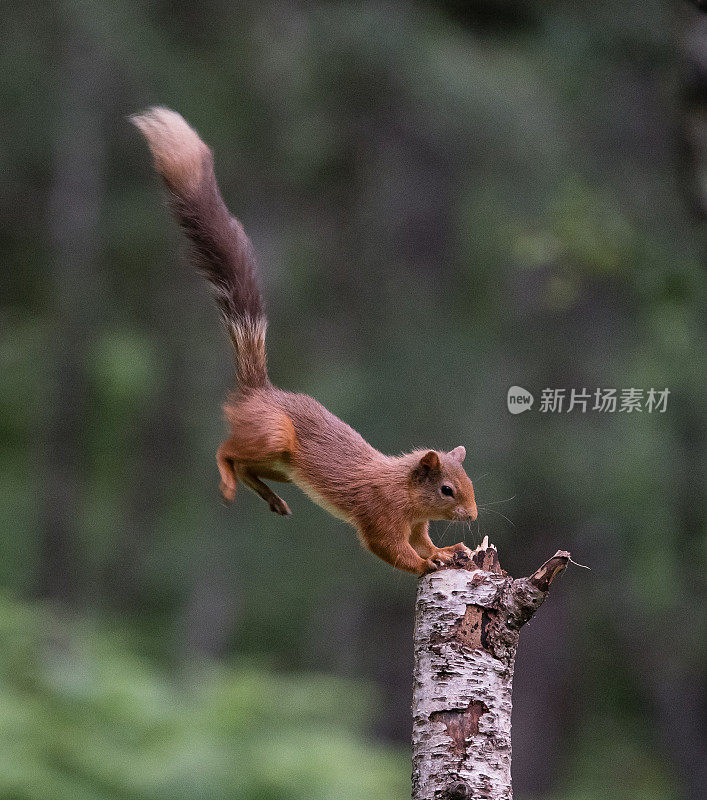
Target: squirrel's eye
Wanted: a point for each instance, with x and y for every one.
(447, 490)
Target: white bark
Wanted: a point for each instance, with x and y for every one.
(466, 635)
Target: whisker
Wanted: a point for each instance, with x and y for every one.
(496, 502)
(475, 534)
(493, 511)
(444, 532)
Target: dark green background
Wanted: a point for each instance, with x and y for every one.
(447, 199)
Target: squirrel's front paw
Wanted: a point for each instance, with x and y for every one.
(445, 556)
(440, 559)
(460, 548)
(429, 566)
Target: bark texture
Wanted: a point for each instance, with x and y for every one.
(467, 622)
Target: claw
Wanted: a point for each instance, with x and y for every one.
(431, 566)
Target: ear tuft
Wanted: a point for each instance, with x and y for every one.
(459, 453)
(430, 460)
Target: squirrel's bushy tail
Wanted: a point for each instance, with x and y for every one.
(223, 252)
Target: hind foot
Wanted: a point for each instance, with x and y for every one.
(228, 493)
(279, 506)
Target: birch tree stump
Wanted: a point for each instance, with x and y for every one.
(467, 620)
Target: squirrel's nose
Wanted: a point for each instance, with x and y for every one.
(466, 513)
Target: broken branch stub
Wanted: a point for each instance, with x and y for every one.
(468, 617)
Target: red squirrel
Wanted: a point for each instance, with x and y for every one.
(281, 436)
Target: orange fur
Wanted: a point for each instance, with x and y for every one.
(288, 437)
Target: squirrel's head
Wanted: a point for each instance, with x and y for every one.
(442, 487)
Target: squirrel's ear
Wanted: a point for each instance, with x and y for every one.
(430, 460)
(459, 453)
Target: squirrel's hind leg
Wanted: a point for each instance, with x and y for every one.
(261, 443)
(231, 474)
(276, 503)
(228, 472)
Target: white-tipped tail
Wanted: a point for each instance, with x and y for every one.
(222, 251)
(176, 148)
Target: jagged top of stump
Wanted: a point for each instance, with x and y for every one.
(484, 557)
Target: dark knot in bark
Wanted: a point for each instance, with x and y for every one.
(457, 791)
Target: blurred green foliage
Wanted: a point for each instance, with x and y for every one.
(81, 716)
